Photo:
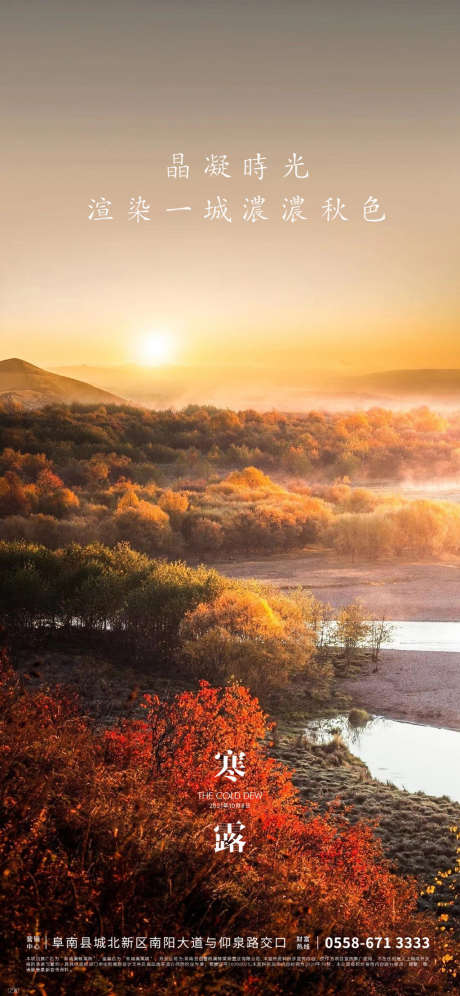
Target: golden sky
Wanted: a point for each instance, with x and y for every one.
(98, 97)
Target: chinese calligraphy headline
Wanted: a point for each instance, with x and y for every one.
(254, 208)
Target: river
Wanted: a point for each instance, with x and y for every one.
(429, 636)
(410, 756)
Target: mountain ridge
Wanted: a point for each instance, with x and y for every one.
(23, 383)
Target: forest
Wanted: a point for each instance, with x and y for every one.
(377, 444)
(192, 620)
(78, 475)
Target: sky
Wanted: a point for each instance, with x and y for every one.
(97, 97)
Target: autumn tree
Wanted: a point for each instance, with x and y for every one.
(262, 641)
(350, 630)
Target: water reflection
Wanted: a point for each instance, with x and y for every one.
(432, 636)
(414, 634)
(412, 757)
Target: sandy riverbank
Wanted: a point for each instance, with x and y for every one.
(423, 591)
(418, 686)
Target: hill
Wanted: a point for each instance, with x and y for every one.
(423, 383)
(25, 385)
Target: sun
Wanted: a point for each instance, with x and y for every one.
(156, 349)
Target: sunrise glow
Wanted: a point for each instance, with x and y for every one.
(156, 349)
